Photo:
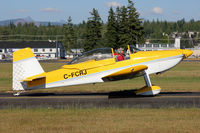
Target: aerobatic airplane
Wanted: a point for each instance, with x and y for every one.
(99, 65)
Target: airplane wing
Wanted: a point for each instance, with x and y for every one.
(124, 73)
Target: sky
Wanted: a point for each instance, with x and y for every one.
(59, 10)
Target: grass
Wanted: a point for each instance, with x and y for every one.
(107, 120)
(183, 77)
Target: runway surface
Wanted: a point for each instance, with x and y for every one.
(122, 99)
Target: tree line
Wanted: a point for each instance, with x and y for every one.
(165, 32)
(123, 27)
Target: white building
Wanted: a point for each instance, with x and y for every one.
(42, 49)
(151, 47)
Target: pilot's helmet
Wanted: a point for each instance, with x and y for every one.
(120, 50)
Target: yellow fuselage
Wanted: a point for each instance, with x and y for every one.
(87, 71)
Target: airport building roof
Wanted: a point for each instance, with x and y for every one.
(31, 44)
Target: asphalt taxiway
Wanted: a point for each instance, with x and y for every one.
(121, 99)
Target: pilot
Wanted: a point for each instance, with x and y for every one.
(120, 55)
(115, 53)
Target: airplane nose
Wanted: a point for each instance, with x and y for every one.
(187, 52)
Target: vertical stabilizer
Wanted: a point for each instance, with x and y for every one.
(24, 65)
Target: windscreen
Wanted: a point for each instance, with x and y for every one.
(133, 49)
(95, 55)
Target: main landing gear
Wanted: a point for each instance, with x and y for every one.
(148, 90)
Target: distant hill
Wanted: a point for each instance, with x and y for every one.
(28, 20)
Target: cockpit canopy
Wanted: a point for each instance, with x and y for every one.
(96, 54)
(102, 54)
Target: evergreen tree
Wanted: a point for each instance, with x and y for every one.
(147, 29)
(69, 35)
(93, 31)
(130, 29)
(165, 39)
(123, 27)
(89, 42)
(5, 34)
(186, 41)
(134, 25)
(112, 30)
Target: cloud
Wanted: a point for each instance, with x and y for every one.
(157, 10)
(50, 10)
(112, 4)
(22, 11)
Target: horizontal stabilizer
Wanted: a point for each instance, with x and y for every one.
(33, 78)
(35, 81)
(128, 71)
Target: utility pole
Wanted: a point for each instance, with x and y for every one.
(56, 46)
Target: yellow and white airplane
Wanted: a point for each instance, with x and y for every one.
(99, 65)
